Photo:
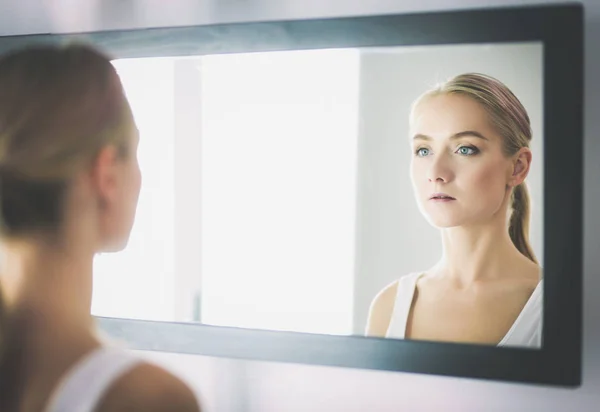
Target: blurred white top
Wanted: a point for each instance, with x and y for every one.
(85, 384)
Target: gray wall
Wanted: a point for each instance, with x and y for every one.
(230, 385)
(393, 238)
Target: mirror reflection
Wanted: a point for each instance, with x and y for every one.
(389, 192)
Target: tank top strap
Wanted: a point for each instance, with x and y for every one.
(527, 328)
(404, 296)
(84, 385)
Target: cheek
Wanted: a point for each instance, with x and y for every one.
(488, 179)
(138, 179)
(136, 186)
(131, 198)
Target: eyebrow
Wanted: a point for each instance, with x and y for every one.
(471, 133)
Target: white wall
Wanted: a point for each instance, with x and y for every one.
(393, 238)
(229, 385)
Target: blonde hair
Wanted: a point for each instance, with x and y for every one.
(59, 106)
(511, 120)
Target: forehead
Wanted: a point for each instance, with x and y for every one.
(443, 115)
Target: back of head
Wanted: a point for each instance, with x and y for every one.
(510, 119)
(59, 106)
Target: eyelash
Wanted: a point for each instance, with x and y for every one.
(473, 150)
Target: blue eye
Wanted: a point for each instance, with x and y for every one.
(422, 152)
(467, 151)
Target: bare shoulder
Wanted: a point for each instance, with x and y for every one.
(380, 311)
(534, 276)
(149, 388)
(530, 274)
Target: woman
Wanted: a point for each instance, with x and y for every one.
(69, 185)
(470, 141)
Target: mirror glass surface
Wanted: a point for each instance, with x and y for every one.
(278, 188)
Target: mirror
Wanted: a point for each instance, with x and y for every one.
(277, 190)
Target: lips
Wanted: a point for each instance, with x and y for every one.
(441, 196)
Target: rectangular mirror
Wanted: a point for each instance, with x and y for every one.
(316, 192)
(297, 164)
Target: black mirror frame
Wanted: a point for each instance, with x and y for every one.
(560, 29)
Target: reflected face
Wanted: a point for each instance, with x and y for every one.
(458, 170)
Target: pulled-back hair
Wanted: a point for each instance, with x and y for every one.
(511, 120)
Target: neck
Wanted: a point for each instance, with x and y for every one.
(55, 280)
(477, 253)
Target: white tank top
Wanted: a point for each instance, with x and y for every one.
(525, 332)
(85, 384)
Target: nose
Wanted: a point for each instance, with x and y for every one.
(439, 169)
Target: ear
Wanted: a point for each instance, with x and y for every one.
(521, 163)
(104, 176)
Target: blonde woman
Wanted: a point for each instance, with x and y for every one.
(470, 141)
(69, 185)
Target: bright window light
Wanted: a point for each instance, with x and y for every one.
(278, 185)
(279, 136)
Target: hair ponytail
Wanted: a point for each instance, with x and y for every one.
(518, 228)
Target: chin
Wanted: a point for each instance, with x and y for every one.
(443, 223)
(444, 220)
(115, 246)
(450, 220)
